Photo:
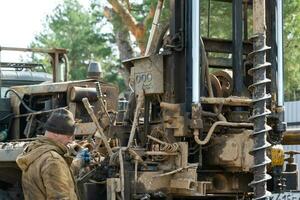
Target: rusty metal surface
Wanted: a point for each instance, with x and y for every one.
(226, 81)
(48, 87)
(227, 183)
(167, 150)
(85, 128)
(147, 75)
(34, 90)
(173, 119)
(77, 93)
(64, 89)
(232, 101)
(110, 94)
(231, 151)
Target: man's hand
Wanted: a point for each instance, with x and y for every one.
(84, 156)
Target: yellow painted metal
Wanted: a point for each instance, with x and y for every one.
(277, 155)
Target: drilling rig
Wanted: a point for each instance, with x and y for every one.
(197, 125)
(200, 132)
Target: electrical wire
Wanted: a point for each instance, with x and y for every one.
(21, 100)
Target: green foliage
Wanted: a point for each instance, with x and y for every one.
(141, 13)
(85, 34)
(213, 11)
(222, 29)
(291, 49)
(73, 28)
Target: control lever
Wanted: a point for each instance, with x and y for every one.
(100, 98)
(90, 110)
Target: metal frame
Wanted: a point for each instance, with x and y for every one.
(55, 54)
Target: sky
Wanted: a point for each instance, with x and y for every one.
(20, 21)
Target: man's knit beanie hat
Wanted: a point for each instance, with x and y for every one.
(61, 122)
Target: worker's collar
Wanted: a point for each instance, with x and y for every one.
(60, 148)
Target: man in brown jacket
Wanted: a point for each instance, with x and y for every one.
(45, 163)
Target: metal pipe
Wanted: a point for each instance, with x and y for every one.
(175, 63)
(101, 101)
(260, 97)
(135, 174)
(291, 137)
(214, 126)
(279, 30)
(122, 175)
(66, 67)
(39, 112)
(169, 173)
(155, 139)
(90, 111)
(196, 50)
(140, 101)
(36, 50)
(160, 153)
(146, 115)
(237, 51)
(170, 106)
(175, 171)
(154, 28)
(229, 101)
(189, 57)
(77, 93)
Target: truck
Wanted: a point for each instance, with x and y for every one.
(205, 118)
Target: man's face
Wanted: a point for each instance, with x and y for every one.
(65, 139)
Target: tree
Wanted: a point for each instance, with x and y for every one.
(135, 18)
(73, 28)
(291, 36)
(129, 19)
(211, 13)
(291, 49)
(123, 26)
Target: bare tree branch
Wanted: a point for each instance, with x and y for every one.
(128, 5)
(137, 29)
(122, 40)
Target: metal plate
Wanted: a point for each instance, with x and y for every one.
(147, 74)
(286, 196)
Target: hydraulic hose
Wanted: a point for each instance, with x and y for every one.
(21, 100)
(214, 126)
